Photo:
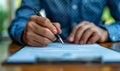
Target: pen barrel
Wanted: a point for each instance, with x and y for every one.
(60, 39)
(57, 36)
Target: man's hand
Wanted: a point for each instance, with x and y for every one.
(40, 31)
(87, 33)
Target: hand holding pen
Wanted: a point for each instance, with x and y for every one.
(57, 35)
(39, 31)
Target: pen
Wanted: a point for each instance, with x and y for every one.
(57, 35)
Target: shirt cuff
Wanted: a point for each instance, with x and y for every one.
(16, 30)
(18, 35)
(113, 32)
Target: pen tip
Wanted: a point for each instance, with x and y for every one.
(61, 41)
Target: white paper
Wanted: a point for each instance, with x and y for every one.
(65, 52)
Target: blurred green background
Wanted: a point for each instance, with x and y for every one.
(7, 11)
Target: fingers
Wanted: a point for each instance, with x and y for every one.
(57, 25)
(86, 35)
(40, 31)
(80, 33)
(87, 32)
(45, 32)
(72, 35)
(94, 38)
(36, 40)
(44, 22)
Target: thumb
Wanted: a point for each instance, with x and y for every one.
(57, 25)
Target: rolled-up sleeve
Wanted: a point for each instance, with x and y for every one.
(18, 25)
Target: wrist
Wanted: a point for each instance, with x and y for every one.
(22, 38)
(106, 36)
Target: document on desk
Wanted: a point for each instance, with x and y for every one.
(68, 52)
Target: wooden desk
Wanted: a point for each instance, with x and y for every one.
(13, 47)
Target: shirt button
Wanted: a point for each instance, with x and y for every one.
(74, 7)
(113, 38)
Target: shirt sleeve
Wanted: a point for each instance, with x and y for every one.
(21, 18)
(114, 28)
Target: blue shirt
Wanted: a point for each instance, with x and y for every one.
(68, 13)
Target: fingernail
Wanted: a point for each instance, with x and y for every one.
(55, 31)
